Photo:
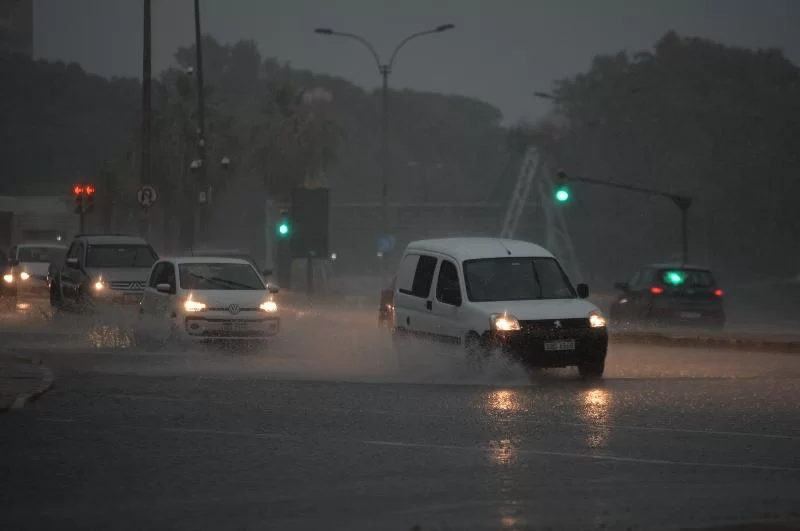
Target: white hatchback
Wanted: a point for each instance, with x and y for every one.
(206, 298)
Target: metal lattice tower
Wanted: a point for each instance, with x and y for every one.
(535, 187)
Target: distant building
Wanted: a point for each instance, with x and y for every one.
(16, 26)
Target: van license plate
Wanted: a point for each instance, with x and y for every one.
(560, 345)
(690, 315)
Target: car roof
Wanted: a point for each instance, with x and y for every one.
(475, 248)
(205, 260)
(676, 265)
(111, 239)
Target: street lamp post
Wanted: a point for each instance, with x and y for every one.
(384, 69)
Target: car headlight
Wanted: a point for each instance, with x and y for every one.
(505, 323)
(24, 275)
(99, 285)
(193, 306)
(269, 306)
(9, 278)
(596, 319)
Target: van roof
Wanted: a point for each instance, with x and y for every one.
(475, 248)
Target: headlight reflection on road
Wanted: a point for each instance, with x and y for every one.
(594, 409)
(499, 404)
(503, 401)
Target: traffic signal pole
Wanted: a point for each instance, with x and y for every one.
(144, 162)
(202, 175)
(683, 202)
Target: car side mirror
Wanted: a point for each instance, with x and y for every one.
(72, 263)
(622, 286)
(272, 288)
(583, 291)
(163, 288)
(267, 272)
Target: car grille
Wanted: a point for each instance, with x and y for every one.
(555, 328)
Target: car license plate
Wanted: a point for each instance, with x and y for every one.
(234, 326)
(131, 298)
(560, 345)
(690, 315)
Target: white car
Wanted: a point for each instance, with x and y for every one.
(492, 294)
(206, 298)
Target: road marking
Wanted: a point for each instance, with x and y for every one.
(431, 446)
(510, 420)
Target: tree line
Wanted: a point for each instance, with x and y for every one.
(690, 116)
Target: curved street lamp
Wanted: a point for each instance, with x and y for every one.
(384, 69)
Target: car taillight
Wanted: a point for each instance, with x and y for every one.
(719, 292)
(655, 290)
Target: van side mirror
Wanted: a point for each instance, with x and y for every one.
(583, 291)
(163, 288)
(72, 263)
(272, 288)
(622, 286)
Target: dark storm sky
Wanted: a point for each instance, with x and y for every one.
(501, 50)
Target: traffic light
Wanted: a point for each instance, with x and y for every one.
(562, 190)
(90, 190)
(284, 228)
(562, 193)
(77, 195)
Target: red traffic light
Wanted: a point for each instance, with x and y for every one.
(90, 189)
(77, 190)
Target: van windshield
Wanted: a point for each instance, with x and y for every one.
(516, 279)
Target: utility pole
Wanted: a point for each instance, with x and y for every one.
(144, 160)
(202, 188)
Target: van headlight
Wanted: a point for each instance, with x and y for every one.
(24, 275)
(99, 285)
(9, 278)
(596, 319)
(193, 306)
(269, 306)
(504, 322)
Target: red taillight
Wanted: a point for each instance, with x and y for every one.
(655, 290)
(719, 292)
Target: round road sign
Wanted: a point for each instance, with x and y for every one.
(146, 195)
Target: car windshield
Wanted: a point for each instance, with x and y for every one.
(133, 256)
(687, 278)
(40, 254)
(516, 279)
(219, 276)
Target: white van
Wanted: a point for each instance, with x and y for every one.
(493, 294)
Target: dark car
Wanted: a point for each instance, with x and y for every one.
(670, 294)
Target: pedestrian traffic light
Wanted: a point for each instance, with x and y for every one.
(89, 206)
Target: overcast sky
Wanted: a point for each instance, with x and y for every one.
(500, 51)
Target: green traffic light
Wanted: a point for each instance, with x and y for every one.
(283, 229)
(562, 194)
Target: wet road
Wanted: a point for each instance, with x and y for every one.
(322, 431)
